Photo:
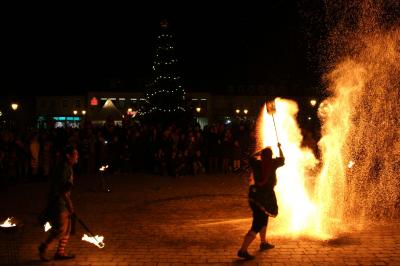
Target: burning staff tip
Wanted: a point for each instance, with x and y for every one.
(271, 107)
(95, 240)
(103, 167)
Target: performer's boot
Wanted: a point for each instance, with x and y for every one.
(248, 239)
(42, 252)
(264, 244)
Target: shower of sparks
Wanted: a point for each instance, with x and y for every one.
(358, 175)
(360, 121)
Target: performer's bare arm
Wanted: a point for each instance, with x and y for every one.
(280, 161)
(280, 151)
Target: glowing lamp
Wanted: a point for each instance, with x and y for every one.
(75, 112)
(198, 109)
(245, 111)
(237, 111)
(313, 102)
(14, 106)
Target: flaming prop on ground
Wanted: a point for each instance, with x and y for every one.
(357, 179)
(8, 223)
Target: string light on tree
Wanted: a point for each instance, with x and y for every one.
(166, 93)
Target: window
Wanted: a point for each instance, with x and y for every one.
(121, 102)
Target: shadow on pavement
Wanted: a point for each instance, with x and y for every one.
(342, 241)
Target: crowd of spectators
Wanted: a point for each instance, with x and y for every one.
(171, 150)
(165, 150)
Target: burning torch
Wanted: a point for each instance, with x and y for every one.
(103, 182)
(272, 110)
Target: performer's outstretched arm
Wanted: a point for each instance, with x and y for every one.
(281, 159)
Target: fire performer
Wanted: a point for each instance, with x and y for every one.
(262, 199)
(59, 207)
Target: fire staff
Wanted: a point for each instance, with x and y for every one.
(262, 199)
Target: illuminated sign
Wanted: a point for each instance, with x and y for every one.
(94, 101)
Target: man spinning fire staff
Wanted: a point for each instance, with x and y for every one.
(262, 198)
(59, 207)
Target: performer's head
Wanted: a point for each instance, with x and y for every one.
(266, 153)
(70, 154)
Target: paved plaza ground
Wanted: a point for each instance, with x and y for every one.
(192, 220)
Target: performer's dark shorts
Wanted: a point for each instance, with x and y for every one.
(260, 219)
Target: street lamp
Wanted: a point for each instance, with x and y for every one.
(75, 112)
(245, 111)
(198, 109)
(14, 106)
(83, 112)
(237, 111)
(313, 102)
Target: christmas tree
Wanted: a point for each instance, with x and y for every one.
(165, 96)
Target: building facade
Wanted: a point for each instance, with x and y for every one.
(207, 108)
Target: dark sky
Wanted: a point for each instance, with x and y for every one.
(72, 49)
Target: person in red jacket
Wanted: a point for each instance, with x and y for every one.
(262, 198)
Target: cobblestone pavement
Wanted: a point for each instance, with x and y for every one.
(154, 220)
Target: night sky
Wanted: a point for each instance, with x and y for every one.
(73, 49)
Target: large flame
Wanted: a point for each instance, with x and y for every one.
(298, 214)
